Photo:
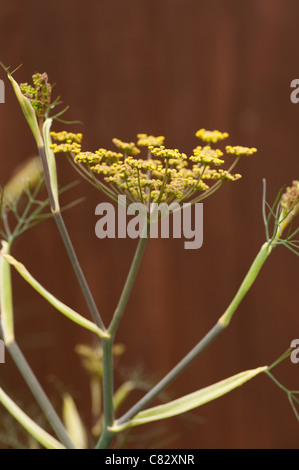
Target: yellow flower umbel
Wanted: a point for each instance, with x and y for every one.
(163, 175)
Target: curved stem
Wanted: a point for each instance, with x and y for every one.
(105, 439)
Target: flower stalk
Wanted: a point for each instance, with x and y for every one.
(108, 388)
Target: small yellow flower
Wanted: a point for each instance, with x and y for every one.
(108, 155)
(127, 147)
(65, 147)
(66, 137)
(206, 155)
(145, 140)
(240, 151)
(89, 158)
(162, 152)
(211, 136)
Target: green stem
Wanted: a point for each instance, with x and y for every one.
(165, 179)
(5, 223)
(129, 281)
(23, 218)
(284, 356)
(39, 394)
(173, 374)
(42, 154)
(57, 304)
(78, 271)
(108, 381)
(139, 186)
(18, 357)
(108, 389)
(279, 385)
(105, 439)
(220, 326)
(247, 283)
(69, 246)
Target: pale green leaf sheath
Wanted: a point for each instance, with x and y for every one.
(7, 320)
(34, 429)
(60, 306)
(73, 422)
(28, 111)
(189, 402)
(50, 157)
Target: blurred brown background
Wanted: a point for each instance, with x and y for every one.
(165, 67)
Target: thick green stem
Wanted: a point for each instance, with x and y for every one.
(39, 394)
(108, 381)
(247, 283)
(105, 439)
(108, 389)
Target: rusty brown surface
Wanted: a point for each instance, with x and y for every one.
(170, 68)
